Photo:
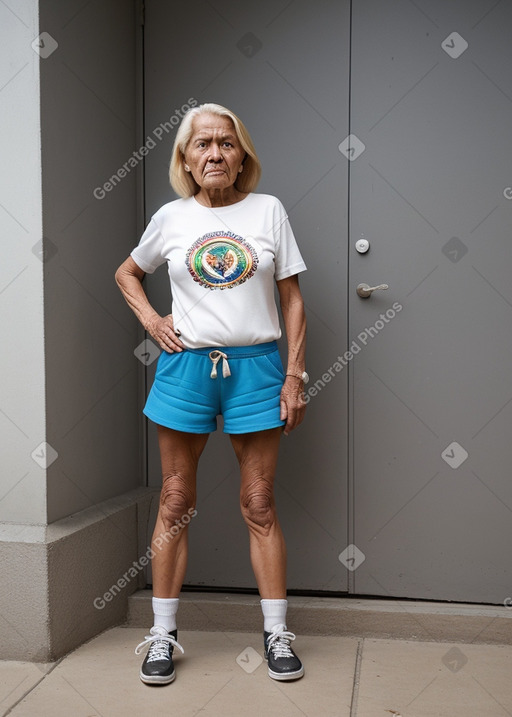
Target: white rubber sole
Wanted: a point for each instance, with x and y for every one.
(283, 677)
(156, 680)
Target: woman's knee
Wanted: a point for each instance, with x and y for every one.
(176, 499)
(257, 504)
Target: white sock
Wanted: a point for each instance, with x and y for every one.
(164, 611)
(274, 613)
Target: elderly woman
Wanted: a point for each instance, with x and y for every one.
(225, 247)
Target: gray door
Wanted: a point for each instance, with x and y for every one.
(275, 65)
(386, 123)
(431, 415)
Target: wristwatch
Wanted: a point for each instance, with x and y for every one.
(303, 376)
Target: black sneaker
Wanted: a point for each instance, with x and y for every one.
(157, 668)
(283, 663)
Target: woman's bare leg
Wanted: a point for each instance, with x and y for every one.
(257, 455)
(179, 455)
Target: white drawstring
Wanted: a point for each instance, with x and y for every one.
(215, 357)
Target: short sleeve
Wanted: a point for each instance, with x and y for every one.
(288, 259)
(148, 254)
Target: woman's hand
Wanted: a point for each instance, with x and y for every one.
(293, 405)
(161, 329)
(129, 278)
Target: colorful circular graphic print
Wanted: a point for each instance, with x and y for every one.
(221, 260)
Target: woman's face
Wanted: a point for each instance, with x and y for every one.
(214, 155)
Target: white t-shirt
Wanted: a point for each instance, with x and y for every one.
(223, 263)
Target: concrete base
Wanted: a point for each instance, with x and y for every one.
(63, 584)
(396, 619)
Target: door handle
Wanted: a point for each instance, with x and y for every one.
(364, 290)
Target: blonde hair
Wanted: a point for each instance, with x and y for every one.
(182, 181)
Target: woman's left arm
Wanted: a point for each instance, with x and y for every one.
(293, 405)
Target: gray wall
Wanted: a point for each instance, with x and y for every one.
(83, 131)
(22, 410)
(88, 124)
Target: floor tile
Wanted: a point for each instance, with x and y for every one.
(419, 679)
(18, 678)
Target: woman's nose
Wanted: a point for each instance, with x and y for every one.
(215, 153)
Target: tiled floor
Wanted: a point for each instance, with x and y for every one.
(345, 677)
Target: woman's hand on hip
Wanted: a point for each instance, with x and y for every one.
(293, 405)
(161, 329)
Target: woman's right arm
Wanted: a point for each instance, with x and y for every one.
(129, 279)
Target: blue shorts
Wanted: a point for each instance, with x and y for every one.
(186, 397)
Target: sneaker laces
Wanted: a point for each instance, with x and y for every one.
(159, 642)
(279, 642)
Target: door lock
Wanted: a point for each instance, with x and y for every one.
(364, 290)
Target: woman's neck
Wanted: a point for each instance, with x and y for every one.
(219, 197)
